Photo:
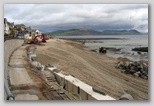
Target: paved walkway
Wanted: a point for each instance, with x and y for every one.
(25, 86)
(19, 76)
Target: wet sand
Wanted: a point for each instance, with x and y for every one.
(92, 68)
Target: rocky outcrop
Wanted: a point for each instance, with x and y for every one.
(141, 49)
(137, 69)
(102, 50)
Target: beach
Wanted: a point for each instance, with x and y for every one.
(95, 69)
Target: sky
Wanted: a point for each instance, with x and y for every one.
(52, 17)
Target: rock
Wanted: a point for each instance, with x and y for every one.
(144, 64)
(98, 90)
(132, 71)
(113, 49)
(141, 49)
(137, 74)
(127, 72)
(126, 97)
(126, 65)
(102, 50)
(142, 76)
(145, 77)
(120, 64)
(139, 52)
(122, 71)
(138, 69)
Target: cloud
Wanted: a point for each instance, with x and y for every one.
(93, 16)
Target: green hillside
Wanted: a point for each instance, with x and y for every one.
(92, 32)
(74, 32)
(120, 32)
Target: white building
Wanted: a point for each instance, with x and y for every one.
(8, 26)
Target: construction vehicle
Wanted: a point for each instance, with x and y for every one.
(28, 38)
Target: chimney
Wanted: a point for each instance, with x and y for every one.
(5, 20)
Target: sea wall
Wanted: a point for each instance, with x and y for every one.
(79, 88)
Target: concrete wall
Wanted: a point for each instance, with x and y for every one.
(79, 88)
(9, 47)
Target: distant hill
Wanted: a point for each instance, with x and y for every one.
(121, 32)
(92, 32)
(75, 32)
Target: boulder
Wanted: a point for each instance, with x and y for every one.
(102, 50)
(141, 49)
(137, 69)
(126, 97)
(135, 74)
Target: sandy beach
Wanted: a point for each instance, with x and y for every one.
(92, 68)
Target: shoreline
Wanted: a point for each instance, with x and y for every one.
(93, 38)
(92, 68)
(134, 53)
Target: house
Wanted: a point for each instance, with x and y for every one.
(21, 29)
(8, 28)
(29, 29)
(18, 30)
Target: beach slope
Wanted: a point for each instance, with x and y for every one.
(92, 68)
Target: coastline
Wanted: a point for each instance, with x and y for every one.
(93, 38)
(92, 68)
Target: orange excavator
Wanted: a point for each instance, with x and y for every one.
(35, 39)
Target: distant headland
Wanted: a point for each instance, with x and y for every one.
(77, 32)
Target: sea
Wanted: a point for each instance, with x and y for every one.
(123, 42)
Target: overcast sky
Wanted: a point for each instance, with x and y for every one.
(51, 17)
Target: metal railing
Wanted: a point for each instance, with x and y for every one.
(8, 92)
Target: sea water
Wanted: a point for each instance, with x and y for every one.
(123, 42)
